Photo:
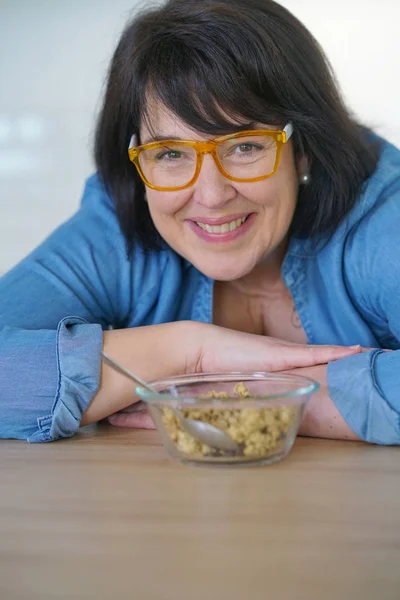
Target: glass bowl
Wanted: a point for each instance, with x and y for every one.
(261, 412)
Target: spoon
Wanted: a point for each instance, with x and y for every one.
(203, 432)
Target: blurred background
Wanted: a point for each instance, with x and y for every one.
(53, 60)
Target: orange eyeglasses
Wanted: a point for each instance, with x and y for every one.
(171, 165)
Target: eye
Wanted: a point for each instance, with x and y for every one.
(169, 155)
(244, 149)
(247, 147)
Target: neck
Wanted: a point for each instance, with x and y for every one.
(268, 269)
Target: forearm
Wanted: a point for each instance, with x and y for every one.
(151, 352)
(322, 419)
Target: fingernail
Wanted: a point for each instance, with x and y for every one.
(356, 347)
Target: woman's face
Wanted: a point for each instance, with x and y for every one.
(213, 200)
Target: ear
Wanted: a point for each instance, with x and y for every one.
(303, 164)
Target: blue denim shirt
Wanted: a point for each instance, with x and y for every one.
(56, 302)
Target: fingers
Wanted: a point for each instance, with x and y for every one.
(328, 353)
(307, 356)
(136, 407)
(138, 420)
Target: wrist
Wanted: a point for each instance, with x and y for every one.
(152, 352)
(155, 351)
(188, 339)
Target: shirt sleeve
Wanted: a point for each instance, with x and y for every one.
(363, 388)
(366, 387)
(48, 379)
(50, 361)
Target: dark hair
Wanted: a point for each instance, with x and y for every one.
(222, 65)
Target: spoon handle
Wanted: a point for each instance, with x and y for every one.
(117, 367)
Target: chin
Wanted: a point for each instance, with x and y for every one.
(223, 272)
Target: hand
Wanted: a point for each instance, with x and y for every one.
(223, 349)
(228, 350)
(137, 419)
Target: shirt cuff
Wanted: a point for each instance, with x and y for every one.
(78, 365)
(353, 387)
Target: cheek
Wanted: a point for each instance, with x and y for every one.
(267, 194)
(287, 175)
(165, 204)
(281, 190)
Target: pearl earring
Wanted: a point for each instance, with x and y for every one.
(303, 166)
(305, 179)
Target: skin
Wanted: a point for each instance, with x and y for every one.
(322, 419)
(273, 201)
(254, 257)
(196, 348)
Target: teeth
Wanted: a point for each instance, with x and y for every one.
(225, 228)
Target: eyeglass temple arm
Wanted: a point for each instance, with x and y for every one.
(288, 129)
(132, 141)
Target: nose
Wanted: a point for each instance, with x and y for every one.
(212, 189)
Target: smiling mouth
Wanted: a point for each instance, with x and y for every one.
(226, 227)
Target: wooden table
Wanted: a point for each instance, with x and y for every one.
(107, 515)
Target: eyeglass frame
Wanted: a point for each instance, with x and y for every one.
(201, 148)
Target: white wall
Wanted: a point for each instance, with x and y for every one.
(53, 57)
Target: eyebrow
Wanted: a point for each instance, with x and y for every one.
(161, 138)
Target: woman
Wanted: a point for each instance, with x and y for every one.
(251, 225)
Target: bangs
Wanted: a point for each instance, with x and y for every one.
(200, 86)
